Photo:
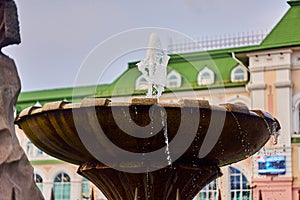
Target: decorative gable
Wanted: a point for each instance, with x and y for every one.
(239, 74)
(173, 79)
(206, 77)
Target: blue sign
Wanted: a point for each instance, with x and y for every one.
(271, 165)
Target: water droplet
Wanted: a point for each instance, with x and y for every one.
(124, 113)
(135, 110)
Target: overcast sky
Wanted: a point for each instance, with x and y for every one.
(58, 35)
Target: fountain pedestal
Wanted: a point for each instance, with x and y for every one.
(165, 183)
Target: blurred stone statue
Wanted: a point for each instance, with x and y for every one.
(154, 67)
(16, 173)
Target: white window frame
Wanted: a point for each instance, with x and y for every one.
(38, 183)
(177, 79)
(62, 183)
(209, 81)
(32, 151)
(210, 191)
(233, 74)
(140, 84)
(85, 183)
(240, 175)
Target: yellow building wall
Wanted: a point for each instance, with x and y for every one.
(296, 80)
(295, 166)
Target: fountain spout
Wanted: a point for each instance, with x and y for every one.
(154, 67)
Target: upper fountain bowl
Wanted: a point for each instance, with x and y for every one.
(126, 148)
(116, 133)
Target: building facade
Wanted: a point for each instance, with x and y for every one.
(264, 76)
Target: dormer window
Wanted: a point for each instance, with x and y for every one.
(206, 77)
(141, 83)
(239, 74)
(173, 79)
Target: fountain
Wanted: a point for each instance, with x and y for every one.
(145, 149)
(154, 67)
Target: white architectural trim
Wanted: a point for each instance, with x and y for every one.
(225, 179)
(62, 169)
(283, 84)
(260, 53)
(75, 181)
(41, 172)
(138, 83)
(177, 79)
(243, 168)
(295, 112)
(258, 86)
(236, 99)
(269, 68)
(233, 71)
(209, 81)
(46, 189)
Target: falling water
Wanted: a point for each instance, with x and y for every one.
(148, 184)
(152, 121)
(165, 128)
(136, 194)
(124, 112)
(275, 133)
(272, 130)
(244, 143)
(154, 67)
(236, 121)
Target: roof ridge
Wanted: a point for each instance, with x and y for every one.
(294, 2)
(287, 30)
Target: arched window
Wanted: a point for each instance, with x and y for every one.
(239, 185)
(39, 152)
(297, 120)
(296, 113)
(30, 149)
(209, 192)
(62, 187)
(38, 180)
(297, 125)
(173, 79)
(85, 188)
(206, 77)
(141, 83)
(239, 74)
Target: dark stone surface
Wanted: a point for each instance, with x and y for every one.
(87, 133)
(16, 173)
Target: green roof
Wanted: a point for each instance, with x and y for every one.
(187, 64)
(285, 33)
(27, 99)
(287, 30)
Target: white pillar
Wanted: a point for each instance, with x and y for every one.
(76, 189)
(47, 187)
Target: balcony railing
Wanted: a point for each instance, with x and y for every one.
(218, 42)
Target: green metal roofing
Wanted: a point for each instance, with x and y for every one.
(287, 30)
(27, 99)
(285, 33)
(188, 65)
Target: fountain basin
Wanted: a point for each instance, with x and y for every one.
(121, 147)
